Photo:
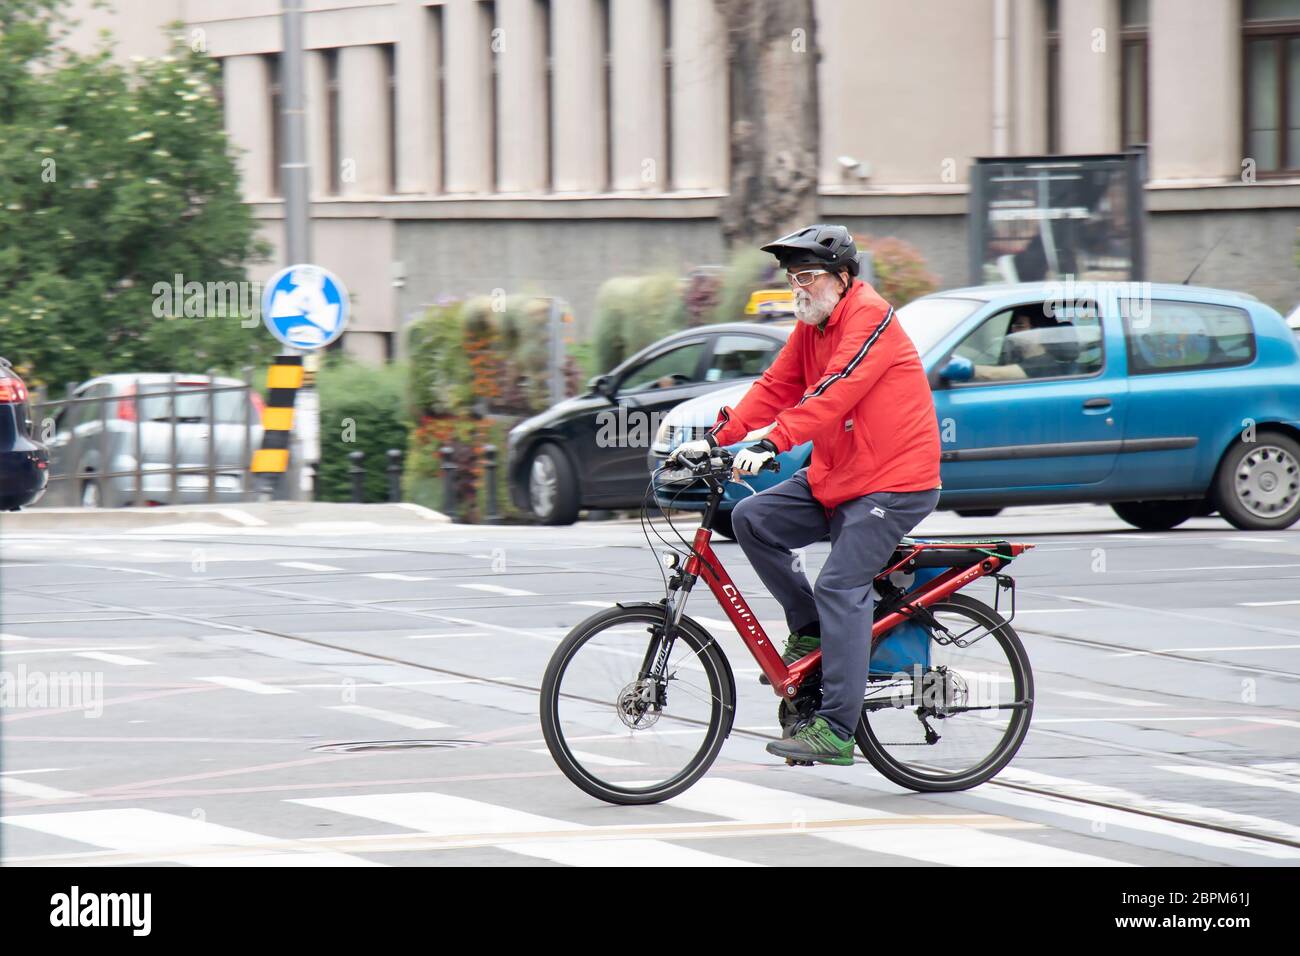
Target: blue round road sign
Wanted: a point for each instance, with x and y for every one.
(305, 306)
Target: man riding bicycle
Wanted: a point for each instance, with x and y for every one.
(848, 379)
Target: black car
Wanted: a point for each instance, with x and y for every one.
(24, 462)
(589, 451)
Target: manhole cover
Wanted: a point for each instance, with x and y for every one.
(371, 746)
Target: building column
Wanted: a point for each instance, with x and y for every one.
(1028, 78)
(364, 139)
(247, 98)
(419, 52)
(579, 107)
(637, 109)
(522, 136)
(699, 96)
(468, 84)
(316, 92)
(1090, 63)
(1195, 96)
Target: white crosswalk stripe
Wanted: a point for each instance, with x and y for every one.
(1127, 798)
(388, 716)
(1106, 698)
(14, 787)
(949, 845)
(1228, 775)
(447, 816)
(122, 660)
(165, 837)
(499, 589)
(244, 684)
(598, 760)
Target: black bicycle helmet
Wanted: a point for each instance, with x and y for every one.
(818, 245)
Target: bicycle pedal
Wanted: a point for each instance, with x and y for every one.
(791, 762)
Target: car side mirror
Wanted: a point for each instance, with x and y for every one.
(958, 369)
(602, 385)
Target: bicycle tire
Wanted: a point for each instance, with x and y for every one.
(722, 685)
(1013, 737)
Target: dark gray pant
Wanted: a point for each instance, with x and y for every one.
(864, 532)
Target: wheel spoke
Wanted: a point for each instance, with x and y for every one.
(922, 744)
(623, 737)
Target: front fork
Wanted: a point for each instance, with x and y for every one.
(679, 589)
(665, 635)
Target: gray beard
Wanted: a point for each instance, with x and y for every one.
(814, 310)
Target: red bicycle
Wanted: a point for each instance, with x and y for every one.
(637, 700)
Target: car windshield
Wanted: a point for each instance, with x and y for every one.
(928, 320)
(192, 406)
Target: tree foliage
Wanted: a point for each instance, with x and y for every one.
(114, 179)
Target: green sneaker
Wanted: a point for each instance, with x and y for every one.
(814, 742)
(796, 646)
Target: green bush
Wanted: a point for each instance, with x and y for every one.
(901, 275)
(439, 376)
(423, 479)
(748, 271)
(633, 312)
(362, 408)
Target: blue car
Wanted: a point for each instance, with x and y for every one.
(1163, 401)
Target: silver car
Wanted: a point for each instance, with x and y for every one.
(152, 438)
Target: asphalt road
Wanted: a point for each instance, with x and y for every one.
(224, 671)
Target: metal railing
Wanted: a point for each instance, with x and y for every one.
(70, 453)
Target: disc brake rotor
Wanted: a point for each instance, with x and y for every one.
(636, 706)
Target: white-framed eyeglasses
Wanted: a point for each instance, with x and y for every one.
(805, 277)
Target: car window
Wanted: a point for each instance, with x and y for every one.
(88, 411)
(154, 403)
(1032, 341)
(740, 356)
(1167, 336)
(928, 320)
(675, 367)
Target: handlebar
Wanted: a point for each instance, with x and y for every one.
(716, 465)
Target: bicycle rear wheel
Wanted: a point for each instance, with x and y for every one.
(955, 725)
(629, 739)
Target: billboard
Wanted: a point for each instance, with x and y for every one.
(1046, 218)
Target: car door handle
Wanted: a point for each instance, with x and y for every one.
(1097, 403)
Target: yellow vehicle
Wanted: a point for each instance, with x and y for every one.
(770, 303)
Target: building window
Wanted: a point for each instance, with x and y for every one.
(1271, 84)
(488, 9)
(332, 159)
(219, 91)
(276, 91)
(440, 100)
(1134, 23)
(1051, 16)
(390, 128)
(548, 93)
(607, 62)
(666, 180)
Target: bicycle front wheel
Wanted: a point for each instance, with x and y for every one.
(625, 736)
(955, 724)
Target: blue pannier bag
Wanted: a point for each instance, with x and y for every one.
(908, 644)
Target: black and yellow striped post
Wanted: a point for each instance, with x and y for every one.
(282, 381)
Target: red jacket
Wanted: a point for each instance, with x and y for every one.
(857, 390)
